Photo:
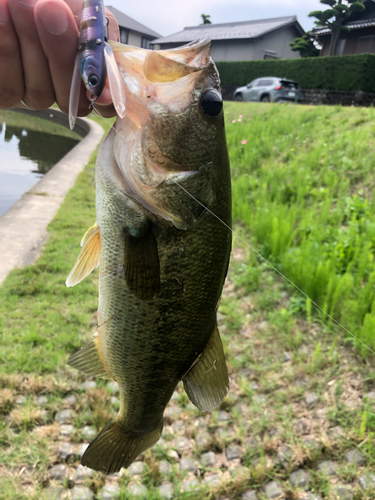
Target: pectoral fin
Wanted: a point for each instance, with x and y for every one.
(207, 383)
(88, 258)
(89, 361)
(142, 268)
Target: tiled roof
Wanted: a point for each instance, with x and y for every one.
(354, 25)
(228, 31)
(131, 24)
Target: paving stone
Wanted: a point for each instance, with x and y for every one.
(285, 454)
(300, 479)
(367, 481)
(137, 490)
(58, 472)
(328, 468)
(190, 484)
(251, 443)
(187, 464)
(89, 384)
(81, 493)
(260, 398)
(212, 480)
(53, 494)
(301, 382)
(240, 473)
(311, 399)
(173, 455)
(301, 426)
(181, 444)
(370, 396)
(203, 439)
(65, 450)
(42, 400)
(336, 432)
(115, 402)
(82, 473)
(70, 399)
(249, 495)
(109, 492)
(311, 496)
(82, 450)
(355, 457)
(45, 417)
(64, 416)
(311, 443)
(21, 400)
(112, 387)
(232, 452)
(342, 492)
(136, 468)
(66, 430)
(273, 490)
(166, 490)
(321, 414)
(172, 411)
(165, 467)
(208, 459)
(88, 432)
(286, 357)
(223, 416)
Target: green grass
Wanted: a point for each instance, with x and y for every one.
(293, 204)
(303, 189)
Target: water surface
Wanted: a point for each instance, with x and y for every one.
(25, 156)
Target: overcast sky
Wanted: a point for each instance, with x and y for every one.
(170, 16)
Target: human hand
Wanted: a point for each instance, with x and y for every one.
(38, 47)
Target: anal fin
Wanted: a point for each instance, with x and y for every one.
(88, 360)
(207, 382)
(88, 258)
(142, 267)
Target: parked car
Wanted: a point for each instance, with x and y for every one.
(270, 89)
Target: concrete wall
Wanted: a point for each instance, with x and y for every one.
(135, 39)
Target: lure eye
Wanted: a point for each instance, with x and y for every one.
(212, 103)
(93, 80)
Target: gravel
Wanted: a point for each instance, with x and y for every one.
(328, 468)
(367, 481)
(81, 493)
(64, 416)
(166, 490)
(136, 468)
(273, 490)
(108, 492)
(300, 479)
(82, 473)
(65, 451)
(355, 457)
(58, 472)
(208, 459)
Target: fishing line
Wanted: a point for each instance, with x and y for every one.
(269, 264)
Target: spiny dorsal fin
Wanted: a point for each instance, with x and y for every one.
(207, 383)
(142, 267)
(89, 361)
(88, 258)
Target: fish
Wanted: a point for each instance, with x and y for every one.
(163, 192)
(95, 61)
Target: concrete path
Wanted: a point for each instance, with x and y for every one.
(23, 228)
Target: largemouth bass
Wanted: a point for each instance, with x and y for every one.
(161, 174)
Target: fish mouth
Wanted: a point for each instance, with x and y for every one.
(167, 77)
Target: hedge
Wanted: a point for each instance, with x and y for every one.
(354, 72)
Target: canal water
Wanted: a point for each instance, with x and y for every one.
(25, 156)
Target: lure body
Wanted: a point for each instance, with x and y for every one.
(95, 61)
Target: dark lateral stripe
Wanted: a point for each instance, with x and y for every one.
(88, 23)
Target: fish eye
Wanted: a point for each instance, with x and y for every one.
(93, 80)
(211, 103)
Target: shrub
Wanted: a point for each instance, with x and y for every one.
(355, 72)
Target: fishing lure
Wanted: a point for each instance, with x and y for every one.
(94, 61)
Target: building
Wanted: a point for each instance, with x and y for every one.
(242, 41)
(360, 38)
(132, 32)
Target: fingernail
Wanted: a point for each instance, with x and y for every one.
(4, 13)
(55, 22)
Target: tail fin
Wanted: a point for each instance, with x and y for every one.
(113, 448)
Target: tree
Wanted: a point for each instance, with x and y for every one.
(333, 18)
(206, 19)
(305, 46)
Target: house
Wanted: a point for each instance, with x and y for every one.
(132, 32)
(360, 38)
(242, 41)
